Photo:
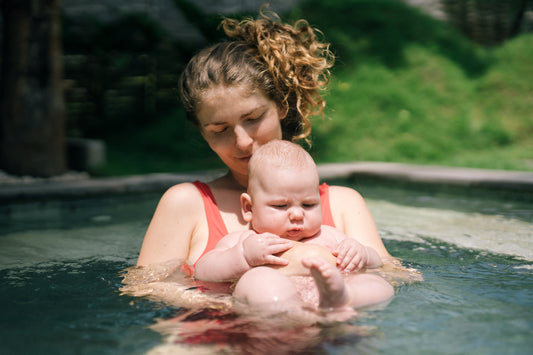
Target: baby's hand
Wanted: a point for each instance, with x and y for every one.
(259, 249)
(351, 255)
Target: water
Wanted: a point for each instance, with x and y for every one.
(61, 271)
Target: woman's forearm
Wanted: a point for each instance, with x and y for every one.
(374, 259)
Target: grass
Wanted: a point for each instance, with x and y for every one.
(406, 88)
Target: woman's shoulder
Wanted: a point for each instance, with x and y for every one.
(344, 193)
(184, 195)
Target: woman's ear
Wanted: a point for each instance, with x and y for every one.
(246, 207)
(282, 111)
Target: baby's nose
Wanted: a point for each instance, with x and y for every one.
(296, 213)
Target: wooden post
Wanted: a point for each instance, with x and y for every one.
(32, 130)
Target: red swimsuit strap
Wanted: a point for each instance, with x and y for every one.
(215, 224)
(327, 217)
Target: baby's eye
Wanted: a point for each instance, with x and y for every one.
(309, 205)
(279, 205)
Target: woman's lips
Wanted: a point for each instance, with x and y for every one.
(245, 158)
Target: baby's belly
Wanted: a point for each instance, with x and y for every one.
(301, 251)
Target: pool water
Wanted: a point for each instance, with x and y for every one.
(62, 266)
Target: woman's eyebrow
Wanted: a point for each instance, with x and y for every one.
(258, 108)
(220, 123)
(217, 123)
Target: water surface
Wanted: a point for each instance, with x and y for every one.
(61, 270)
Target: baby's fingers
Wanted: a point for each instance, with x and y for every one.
(345, 257)
(353, 265)
(279, 246)
(276, 260)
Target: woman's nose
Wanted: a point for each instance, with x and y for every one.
(242, 138)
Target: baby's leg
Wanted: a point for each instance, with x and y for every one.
(330, 283)
(354, 290)
(368, 289)
(266, 289)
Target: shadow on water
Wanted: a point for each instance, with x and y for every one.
(73, 306)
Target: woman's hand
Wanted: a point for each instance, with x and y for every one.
(260, 249)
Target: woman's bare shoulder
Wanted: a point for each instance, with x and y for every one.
(344, 194)
(182, 207)
(174, 225)
(184, 195)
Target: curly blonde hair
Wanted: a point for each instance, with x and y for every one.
(286, 62)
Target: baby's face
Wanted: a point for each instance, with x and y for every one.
(287, 203)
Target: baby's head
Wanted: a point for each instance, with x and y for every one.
(282, 196)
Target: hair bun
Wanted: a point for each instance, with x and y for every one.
(298, 62)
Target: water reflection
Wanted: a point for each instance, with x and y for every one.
(205, 319)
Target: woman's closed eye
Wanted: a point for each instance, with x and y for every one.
(220, 130)
(255, 119)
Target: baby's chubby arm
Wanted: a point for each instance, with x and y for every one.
(238, 252)
(351, 255)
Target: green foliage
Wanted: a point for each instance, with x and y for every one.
(120, 74)
(408, 88)
(169, 144)
(405, 88)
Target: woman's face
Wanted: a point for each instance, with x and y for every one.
(235, 122)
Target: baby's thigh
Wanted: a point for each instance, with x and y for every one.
(368, 289)
(263, 285)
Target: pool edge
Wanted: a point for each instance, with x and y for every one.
(516, 182)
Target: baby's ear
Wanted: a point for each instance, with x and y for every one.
(246, 207)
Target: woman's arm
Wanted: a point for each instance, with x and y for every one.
(373, 258)
(351, 215)
(173, 227)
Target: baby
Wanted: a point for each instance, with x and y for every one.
(283, 205)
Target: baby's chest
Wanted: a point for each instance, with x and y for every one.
(328, 243)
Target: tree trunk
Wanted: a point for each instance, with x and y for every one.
(32, 129)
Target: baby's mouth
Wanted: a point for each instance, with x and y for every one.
(294, 232)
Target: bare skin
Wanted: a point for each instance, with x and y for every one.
(179, 229)
(330, 283)
(297, 253)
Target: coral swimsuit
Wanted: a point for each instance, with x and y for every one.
(215, 223)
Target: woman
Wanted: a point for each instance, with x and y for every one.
(262, 85)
